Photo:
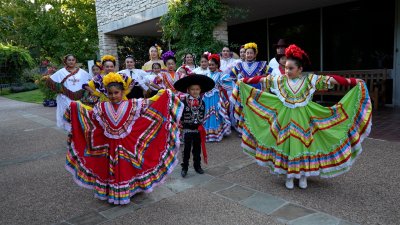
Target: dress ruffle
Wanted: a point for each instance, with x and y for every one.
(217, 123)
(116, 169)
(311, 140)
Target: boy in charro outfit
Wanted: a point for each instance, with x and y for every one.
(192, 119)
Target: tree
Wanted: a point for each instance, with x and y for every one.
(13, 60)
(189, 24)
(51, 28)
(138, 47)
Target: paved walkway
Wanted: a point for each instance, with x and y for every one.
(386, 124)
(36, 189)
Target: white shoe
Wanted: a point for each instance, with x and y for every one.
(303, 182)
(289, 183)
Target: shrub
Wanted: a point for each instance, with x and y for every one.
(23, 87)
(40, 81)
(13, 60)
(189, 25)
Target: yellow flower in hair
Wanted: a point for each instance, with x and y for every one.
(159, 50)
(108, 58)
(251, 45)
(114, 78)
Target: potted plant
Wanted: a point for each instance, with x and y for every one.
(49, 95)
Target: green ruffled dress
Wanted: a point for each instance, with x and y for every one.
(292, 135)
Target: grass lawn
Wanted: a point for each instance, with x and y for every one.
(34, 96)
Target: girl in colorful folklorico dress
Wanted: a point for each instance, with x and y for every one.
(67, 82)
(217, 122)
(155, 54)
(183, 71)
(292, 135)
(167, 79)
(121, 147)
(250, 67)
(152, 76)
(203, 68)
(95, 85)
(189, 60)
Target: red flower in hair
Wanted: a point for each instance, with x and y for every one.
(214, 56)
(295, 52)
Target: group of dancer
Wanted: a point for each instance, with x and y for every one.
(125, 127)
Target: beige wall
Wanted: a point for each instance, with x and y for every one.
(118, 14)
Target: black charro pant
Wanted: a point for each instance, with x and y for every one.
(192, 144)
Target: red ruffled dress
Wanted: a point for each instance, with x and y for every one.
(122, 149)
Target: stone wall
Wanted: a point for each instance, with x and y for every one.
(110, 12)
(221, 32)
(118, 14)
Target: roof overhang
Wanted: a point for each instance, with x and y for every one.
(146, 22)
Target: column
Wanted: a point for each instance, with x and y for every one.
(108, 46)
(396, 63)
(221, 32)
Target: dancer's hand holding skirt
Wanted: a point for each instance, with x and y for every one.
(292, 135)
(120, 150)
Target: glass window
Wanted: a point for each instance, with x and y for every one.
(249, 32)
(358, 35)
(302, 29)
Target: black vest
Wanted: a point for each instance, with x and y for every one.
(192, 116)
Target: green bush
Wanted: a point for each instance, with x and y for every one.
(13, 61)
(23, 87)
(28, 75)
(40, 81)
(189, 25)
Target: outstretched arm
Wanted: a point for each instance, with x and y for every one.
(256, 79)
(339, 80)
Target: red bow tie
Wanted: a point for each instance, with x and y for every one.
(194, 102)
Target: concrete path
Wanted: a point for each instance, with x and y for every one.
(36, 189)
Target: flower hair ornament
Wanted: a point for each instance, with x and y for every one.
(251, 45)
(293, 51)
(114, 78)
(108, 58)
(168, 55)
(159, 50)
(100, 66)
(207, 54)
(215, 57)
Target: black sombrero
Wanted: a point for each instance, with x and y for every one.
(206, 83)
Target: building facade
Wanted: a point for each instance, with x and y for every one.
(337, 34)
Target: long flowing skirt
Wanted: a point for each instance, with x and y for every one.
(217, 122)
(305, 141)
(123, 152)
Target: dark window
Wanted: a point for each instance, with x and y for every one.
(302, 29)
(358, 35)
(249, 32)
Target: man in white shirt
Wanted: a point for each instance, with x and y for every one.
(139, 78)
(280, 49)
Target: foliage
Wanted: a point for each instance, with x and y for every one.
(41, 83)
(13, 60)
(28, 75)
(50, 28)
(34, 96)
(138, 47)
(189, 25)
(23, 87)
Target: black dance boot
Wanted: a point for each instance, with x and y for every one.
(183, 173)
(199, 170)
